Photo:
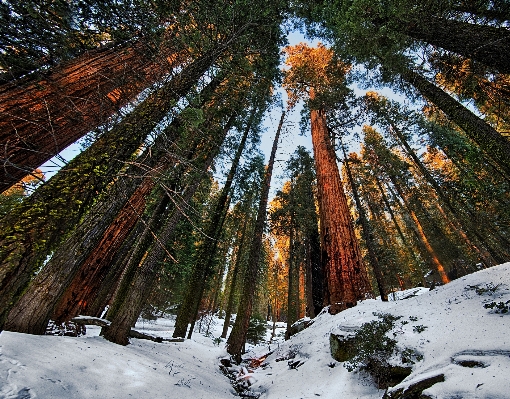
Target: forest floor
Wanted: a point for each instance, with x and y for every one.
(458, 332)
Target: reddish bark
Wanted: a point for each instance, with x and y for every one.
(345, 275)
(94, 269)
(38, 119)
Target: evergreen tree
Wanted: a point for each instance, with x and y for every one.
(237, 337)
(315, 73)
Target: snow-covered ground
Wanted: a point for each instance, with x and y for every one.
(449, 326)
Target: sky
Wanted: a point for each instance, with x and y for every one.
(290, 138)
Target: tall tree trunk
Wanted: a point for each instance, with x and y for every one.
(40, 118)
(34, 309)
(367, 232)
(394, 220)
(237, 338)
(345, 275)
(102, 297)
(459, 221)
(483, 43)
(203, 267)
(94, 269)
(421, 234)
(292, 289)
(487, 138)
(233, 282)
(134, 257)
(39, 224)
(310, 308)
(92, 245)
(130, 305)
(317, 270)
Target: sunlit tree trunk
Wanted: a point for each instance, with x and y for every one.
(33, 311)
(421, 235)
(345, 274)
(32, 230)
(366, 231)
(79, 265)
(39, 119)
(457, 217)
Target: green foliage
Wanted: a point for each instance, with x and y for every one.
(411, 356)
(372, 342)
(488, 288)
(499, 307)
(419, 329)
(256, 330)
(38, 34)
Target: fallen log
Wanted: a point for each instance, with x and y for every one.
(96, 321)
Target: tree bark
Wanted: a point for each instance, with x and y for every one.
(39, 224)
(345, 275)
(483, 43)
(102, 297)
(237, 338)
(130, 305)
(34, 309)
(202, 270)
(292, 303)
(421, 234)
(367, 232)
(233, 283)
(38, 119)
(488, 139)
(78, 266)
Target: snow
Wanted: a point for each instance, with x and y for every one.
(458, 337)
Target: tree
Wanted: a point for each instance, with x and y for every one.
(36, 35)
(237, 337)
(365, 28)
(80, 263)
(36, 226)
(387, 114)
(41, 117)
(207, 250)
(366, 229)
(315, 73)
(243, 216)
(294, 223)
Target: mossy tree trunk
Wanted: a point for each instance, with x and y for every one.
(79, 265)
(35, 228)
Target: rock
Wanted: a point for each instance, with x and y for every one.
(342, 347)
(385, 374)
(299, 326)
(415, 390)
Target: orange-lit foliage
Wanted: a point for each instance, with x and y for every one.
(312, 71)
